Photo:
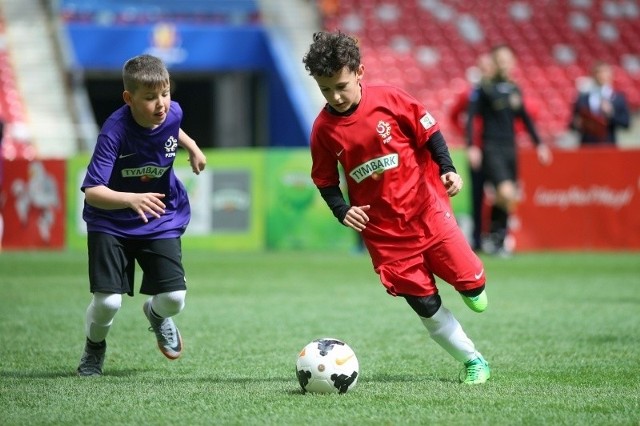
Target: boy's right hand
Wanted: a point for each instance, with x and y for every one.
(148, 203)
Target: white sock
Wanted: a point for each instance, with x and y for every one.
(100, 314)
(168, 304)
(446, 331)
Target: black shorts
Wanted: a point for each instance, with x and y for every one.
(499, 165)
(112, 264)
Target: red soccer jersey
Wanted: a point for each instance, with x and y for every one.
(381, 149)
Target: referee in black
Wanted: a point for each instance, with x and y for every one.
(499, 103)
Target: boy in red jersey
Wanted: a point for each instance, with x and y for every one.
(399, 177)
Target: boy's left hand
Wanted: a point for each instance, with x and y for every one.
(198, 161)
(452, 183)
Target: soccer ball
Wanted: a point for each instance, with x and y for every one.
(327, 366)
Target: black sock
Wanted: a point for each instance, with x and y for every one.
(94, 345)
(473, 292)
(153, 313)
(499, 219)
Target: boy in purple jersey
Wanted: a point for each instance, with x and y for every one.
(136, 210)
(399, 177)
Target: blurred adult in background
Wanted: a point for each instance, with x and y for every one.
(600, 111)
(478, 75)
(498, 103)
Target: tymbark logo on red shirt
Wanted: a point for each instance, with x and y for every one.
(375, 165)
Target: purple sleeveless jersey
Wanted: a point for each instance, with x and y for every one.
(131, 158)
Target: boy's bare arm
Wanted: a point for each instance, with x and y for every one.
(197, 159)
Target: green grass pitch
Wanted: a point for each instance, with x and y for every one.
(562, 334)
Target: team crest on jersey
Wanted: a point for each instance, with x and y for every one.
(384, 130)
(170, 147)
(374, 167)
(427, 121)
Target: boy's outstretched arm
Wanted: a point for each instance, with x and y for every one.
(197, 159)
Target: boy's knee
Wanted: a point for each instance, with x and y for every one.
(170, 303)
(426, 306)
(107, 302)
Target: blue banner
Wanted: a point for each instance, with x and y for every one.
(183, 47)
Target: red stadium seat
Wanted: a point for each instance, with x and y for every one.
(12, 110)
(533, 38)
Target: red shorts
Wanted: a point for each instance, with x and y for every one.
(450, 259)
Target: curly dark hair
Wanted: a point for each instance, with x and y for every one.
(330, 52)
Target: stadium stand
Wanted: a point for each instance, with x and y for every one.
(423, 46)
(12, 111)
(32, 60)
(426, 46)
(46, 126)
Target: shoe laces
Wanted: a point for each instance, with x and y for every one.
(165, 331)
(91, 362)
(472, 370)
(91, 358)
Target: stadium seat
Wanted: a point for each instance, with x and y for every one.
(12, 110)
(556, 43)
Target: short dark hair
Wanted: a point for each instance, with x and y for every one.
(330, 52)
(600, 63)
(144, 70)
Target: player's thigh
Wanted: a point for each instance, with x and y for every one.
(111, 265)
(161, 264)
(453, 260)
(407, 277)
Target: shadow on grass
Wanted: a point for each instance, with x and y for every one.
(61, 374)
(141, 373)
(394, 378)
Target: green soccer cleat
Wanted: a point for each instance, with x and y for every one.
(476, 303)
(475, 372)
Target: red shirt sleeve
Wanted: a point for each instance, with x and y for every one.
(324, 170)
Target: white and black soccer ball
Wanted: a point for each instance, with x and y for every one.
(327, 365)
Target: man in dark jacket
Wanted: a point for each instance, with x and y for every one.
(600, 111)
